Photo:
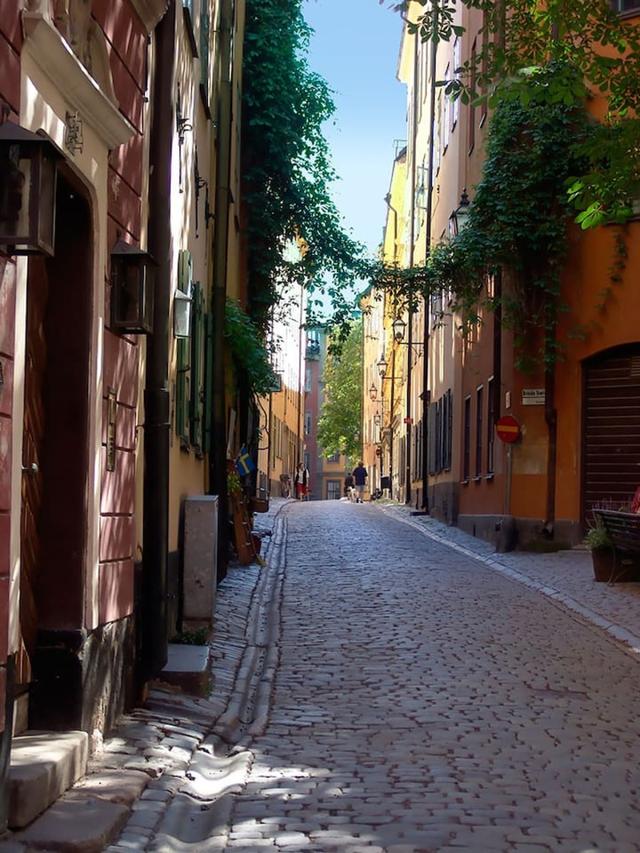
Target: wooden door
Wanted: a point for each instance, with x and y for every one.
(32, 474)
(611, 443)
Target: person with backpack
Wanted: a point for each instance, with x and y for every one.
(360, 477)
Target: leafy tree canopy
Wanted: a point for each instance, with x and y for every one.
(587, 45)
(339, 425)
(286, 167)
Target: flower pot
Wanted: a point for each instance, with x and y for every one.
(258, 504)
(604, 564)
(612, 566)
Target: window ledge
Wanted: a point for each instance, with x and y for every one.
(464, 482)
(477, 479)
(489, 476)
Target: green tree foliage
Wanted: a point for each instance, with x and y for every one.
(341, 418)
(286, 166)
(585, 43)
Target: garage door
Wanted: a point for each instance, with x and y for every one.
(611, 446)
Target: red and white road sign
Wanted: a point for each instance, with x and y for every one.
(508, 429)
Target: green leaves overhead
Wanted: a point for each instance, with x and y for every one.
(341, 417)
(250, 357)
(286, 168)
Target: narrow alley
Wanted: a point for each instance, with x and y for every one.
(425, 703)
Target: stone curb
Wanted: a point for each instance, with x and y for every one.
(621, 637)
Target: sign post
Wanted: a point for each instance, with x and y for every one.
(508, 431)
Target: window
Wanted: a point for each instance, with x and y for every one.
(333, 458)
(491, 421)
(455, 105)
(448, 117)
(307, 423)
(472, 109)
(625, 6)
(479, 429)
(466, 451)
(204, 59)
(334, 492)
(183, 358)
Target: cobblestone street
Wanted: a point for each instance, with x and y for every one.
(426, 703)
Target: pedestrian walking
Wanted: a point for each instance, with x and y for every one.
(301, 481)
(360, 477)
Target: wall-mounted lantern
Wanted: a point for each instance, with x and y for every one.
(458, 218)
(182, 313)
(399, 328)
(132, 289)
(28, 173)
(373, 393)
(382, 367)
(377, 419)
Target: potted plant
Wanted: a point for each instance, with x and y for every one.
(603, 555)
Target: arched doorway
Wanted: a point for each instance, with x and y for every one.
(55, 450)
(611, 428)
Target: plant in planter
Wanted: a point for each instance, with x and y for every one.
(603, 554)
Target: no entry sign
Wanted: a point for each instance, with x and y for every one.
(508, 429)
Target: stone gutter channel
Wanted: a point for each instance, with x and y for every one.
(166, 778)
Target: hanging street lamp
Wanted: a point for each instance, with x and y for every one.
(459, 217)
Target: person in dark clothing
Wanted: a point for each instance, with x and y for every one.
(360, 477)
(349, 483)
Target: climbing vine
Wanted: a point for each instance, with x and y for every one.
(518, 221)
(251, 359)
(286, 168)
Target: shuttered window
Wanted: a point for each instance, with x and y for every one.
(196, 401)
(183, 359)
(204, 59)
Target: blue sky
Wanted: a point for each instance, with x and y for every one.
(355, 48)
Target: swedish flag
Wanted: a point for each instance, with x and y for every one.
(244, 463)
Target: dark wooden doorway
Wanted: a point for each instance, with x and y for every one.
(611, 428)
(55, 432)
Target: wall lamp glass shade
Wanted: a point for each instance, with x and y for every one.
(132, 289)
(182, 314)
(382, 367)
(373, 393)
(399, 328)
(28, 175)
(460, 215)
(377, 419)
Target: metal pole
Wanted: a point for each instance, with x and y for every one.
(155, 520)
(409, 425)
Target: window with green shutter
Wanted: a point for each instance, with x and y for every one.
(187, 7)
(183, 358)
(208, 381)
(196, 403)
(204, 59)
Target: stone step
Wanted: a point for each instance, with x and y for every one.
(43, 766)
(188, 668)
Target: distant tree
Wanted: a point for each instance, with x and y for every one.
(341, 417)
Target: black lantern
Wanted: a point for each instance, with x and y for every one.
(377, 419)
(382, 367)
(373, 393)
(132, 287)
(399, 328)
(458, 218)
(28, 171)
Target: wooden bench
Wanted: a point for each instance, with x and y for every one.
(623, 529)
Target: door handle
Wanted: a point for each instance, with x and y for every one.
(30, 469)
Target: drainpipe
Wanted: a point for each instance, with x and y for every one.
(411, 259)
(218, 453)
(551, 419)
(156, 394)
(426, 397)
(301, 363)
(393, 347)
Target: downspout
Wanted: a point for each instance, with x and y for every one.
(393, 348)
(218, 453)
(414, 138)
(551, 419)
(301, 363)
(157, 425)
(426, 396)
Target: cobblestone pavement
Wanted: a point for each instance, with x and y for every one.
(424, 702)
(565, 575)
